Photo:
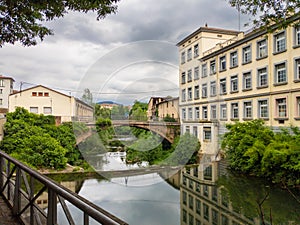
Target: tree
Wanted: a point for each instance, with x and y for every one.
(139, 111)
(268, 12)
(87, 96)
(21, 20)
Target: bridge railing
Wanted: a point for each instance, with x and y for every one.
(22, 186)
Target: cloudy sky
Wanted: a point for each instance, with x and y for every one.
(130, 55)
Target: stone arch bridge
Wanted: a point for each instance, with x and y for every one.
(167, 130)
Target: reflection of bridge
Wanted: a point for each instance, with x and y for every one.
(167, 130)
(139, 171)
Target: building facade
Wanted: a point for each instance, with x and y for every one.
(43, 100)
(6, 88)
(162, 107)
(250, 76)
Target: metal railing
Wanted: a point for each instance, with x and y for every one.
(22, 186)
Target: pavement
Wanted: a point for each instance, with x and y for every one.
(6, 217)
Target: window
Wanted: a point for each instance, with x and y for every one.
(247, 54)
(298, 106)
(195, 131)
(34, 93)
(184, 215)
(190, 113)
(248, 110)
(224, 220)
(204, 112)
(297, 69)
(182, 57)
(213, 111)
(204, 70)
(1, 83)
(206, 211)
(183, 114)
(191, 219)
(214, 217)
(197, 92)
(196, 50)
(215, 193)
(223, 86)
(197, 113)
(212, 67)
(40, 94)
(196, 73)
(47, 110)
(191, 202)
(207, 133)
(262, 49)
(1, 101)
(213, 88)
(233, 59)
(222, 63)
(223, 111)
(184, 197)
(279, 42)
(189, 54)
(198, 207)
(183, 77)
(183, 95)
(234, 110)
(247, 81)
(234, 84)
(297, 35)
(205, 187)
(46, 94)
(263, 109)
(204, 90)
(34, 110)
(207, 176)
(198, 187)
(262, 77)
(187, 129)
(190, 94)
(191, 184)
(189, 76)
(280, 73)
(281, 107)
(1, 91)
(198, 222)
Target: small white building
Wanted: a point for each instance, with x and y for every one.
(6, 88)
(43, 100)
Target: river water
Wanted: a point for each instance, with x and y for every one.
(200, 194)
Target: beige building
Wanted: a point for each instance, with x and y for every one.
(161, 107)
(168, 107)
(243, 76)
(43, 100)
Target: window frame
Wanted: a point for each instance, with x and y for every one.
(196, 50)
(259, 108)
(259, 76)
(213, 88)
(297, 69)
(189, 76)
(246, 108)
(234, 106)
(196, 73)
(277, 46)
(196, 92)
(259, 49)
(189, 94)
(183, 95)
(234, 83)
(246, 75)
(182, 58)
(189, 54)
(234, 58)
(204, 70)
(204, 90)
(222, 66)
(278, 105)
(276, 74)
(204, 112)
(296, 36)
(223, 111)
(212, 67)
(223, 86)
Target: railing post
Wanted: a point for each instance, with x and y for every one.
(52, 208)
(17, 196)
(1, 172)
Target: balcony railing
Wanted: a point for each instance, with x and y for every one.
(22, 186)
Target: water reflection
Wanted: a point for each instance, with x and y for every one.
(211, 195)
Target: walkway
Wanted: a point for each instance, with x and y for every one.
(6, 217)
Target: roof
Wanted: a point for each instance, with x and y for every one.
(208, 30)
(5, 77)
(31, 88)
(108, 102)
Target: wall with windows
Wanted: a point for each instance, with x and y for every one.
(244, 77)
(6, 88)
(43, 100)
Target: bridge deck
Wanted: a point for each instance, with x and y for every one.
(6, 217)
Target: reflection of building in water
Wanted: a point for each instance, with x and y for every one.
(202, 202)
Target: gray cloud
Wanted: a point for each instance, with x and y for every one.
(85, 52)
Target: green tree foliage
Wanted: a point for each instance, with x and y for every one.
(35, 140)
(119, 112)
(22, 20)
(268, 12)
(139, 111)
(184, 150)
(253, 148)
(87, 96)
(101, 112)
(168, 118)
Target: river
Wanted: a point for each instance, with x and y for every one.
(201, 194)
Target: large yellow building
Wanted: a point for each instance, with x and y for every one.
(228, 76)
